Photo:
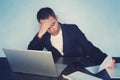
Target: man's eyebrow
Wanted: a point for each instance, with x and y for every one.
(53, 23)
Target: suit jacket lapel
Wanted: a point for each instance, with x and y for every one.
(50, 47)
(65, 39)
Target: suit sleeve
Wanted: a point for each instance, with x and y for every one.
(88, 48)
(36, 43)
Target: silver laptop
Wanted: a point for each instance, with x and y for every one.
(33, 62)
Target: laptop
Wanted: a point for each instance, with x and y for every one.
(33, 62)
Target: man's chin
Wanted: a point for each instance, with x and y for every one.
(54, 34)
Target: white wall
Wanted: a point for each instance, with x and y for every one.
(98, 19)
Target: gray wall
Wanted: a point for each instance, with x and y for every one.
(98, 19)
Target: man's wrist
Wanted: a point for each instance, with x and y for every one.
(39, 36)
(113, 60)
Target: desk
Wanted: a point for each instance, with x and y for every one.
(73, 65)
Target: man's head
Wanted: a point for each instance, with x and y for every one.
(48, 20)
(44, 13)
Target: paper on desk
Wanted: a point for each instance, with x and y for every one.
(93, 69)
(115, 72)
(81, 76)
(104, 65)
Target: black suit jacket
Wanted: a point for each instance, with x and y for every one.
(75, 44)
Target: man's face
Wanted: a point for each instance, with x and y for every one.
(52, 24)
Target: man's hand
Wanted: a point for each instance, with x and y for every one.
(112, 64)
(43, 28)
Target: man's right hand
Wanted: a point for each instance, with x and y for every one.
(43, 28)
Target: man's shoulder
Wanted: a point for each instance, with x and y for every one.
(69, 25)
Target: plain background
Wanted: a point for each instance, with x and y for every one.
(98, 19)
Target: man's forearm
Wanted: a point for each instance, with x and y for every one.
(36, 44)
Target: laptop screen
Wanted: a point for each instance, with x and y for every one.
(31, 62)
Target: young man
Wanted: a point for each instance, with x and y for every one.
(65, 40)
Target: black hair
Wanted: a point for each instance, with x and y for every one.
(44, 13)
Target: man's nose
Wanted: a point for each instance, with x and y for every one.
(51, 30)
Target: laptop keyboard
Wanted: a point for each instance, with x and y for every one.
(60, 68)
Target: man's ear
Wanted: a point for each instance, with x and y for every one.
(39, 24)
(56, 17)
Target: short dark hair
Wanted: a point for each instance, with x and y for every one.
(44, 13)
